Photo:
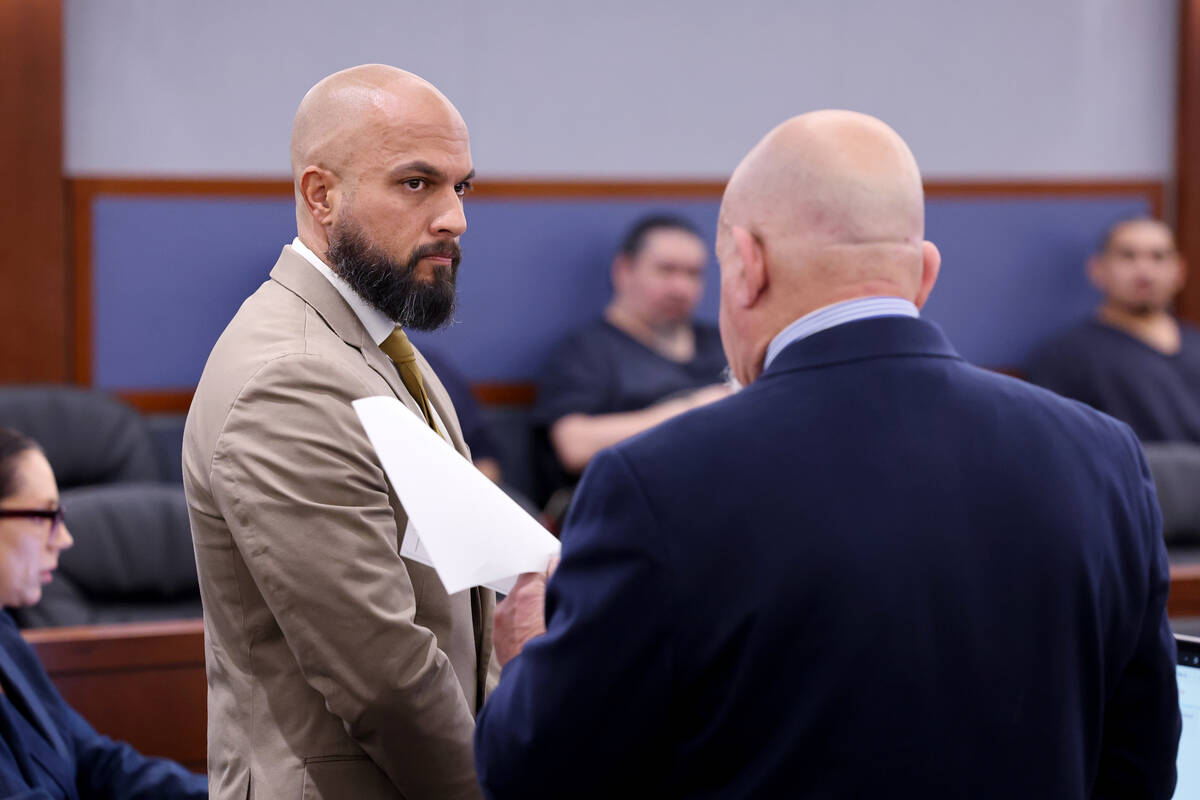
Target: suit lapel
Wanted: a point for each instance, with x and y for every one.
(300, 277)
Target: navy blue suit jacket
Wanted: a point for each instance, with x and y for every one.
(49, 751)
(877, 571)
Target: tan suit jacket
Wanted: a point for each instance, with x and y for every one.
(336, 669)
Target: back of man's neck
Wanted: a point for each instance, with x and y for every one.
(1158, 330)
(676, 342)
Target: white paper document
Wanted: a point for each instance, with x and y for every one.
(471, 532)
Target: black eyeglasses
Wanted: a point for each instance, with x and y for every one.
(55, 514)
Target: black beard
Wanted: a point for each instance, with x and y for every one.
(392, 288)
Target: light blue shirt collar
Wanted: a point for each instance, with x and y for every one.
(838, 314)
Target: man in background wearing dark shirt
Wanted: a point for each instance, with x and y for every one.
(1135, 361)
(645, 360)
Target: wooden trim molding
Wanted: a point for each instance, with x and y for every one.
(79, 213)
(91, 186)
(178, 401)
(1154, 191)
(504, 394)
(159, 401)
(1184, 600)
(35, 316)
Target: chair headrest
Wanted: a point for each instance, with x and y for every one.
(131, 541)
(89, 437)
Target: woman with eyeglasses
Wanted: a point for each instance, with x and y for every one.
(46, 749)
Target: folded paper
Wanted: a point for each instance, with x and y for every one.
(470, 531)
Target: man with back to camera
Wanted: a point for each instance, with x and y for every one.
(645, 360)
(846, 580)
(336, 668)
(1135, 360)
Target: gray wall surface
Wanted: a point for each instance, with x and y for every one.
(635, 88)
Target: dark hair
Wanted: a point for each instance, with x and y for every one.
(635, 238)
(1111, 230)
(12, 444)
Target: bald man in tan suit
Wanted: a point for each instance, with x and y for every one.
(337, 668)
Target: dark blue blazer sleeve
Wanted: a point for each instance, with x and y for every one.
(558, 722)
(1138, 751)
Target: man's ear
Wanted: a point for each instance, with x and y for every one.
(750, 277)
(316, 187)
(931, 265)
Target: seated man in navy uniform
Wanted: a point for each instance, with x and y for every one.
(644, 361)
(1133, 359)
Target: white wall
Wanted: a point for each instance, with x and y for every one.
(635, 88)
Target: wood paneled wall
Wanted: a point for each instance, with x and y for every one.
(34, 323)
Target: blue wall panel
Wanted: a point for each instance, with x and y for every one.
(1013, 269)
(169, 273)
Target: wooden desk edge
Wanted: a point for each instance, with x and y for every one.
(131, 646)
(126, 630)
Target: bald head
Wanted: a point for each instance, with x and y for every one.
(339, 116)
(830, 177)
(827, 207)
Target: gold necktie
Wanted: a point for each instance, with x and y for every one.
(400, 350)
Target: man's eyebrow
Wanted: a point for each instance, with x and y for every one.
(426, 169)
(419, 168)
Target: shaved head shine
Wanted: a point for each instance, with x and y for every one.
(341, 110)
(830, 177)
(828, 207)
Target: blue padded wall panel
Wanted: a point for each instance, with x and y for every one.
(169, 273)
(167, 276)
(1013, 269)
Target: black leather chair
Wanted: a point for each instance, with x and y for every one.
(89, 436)
(132, 559)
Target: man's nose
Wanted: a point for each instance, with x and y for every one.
(452, 219)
